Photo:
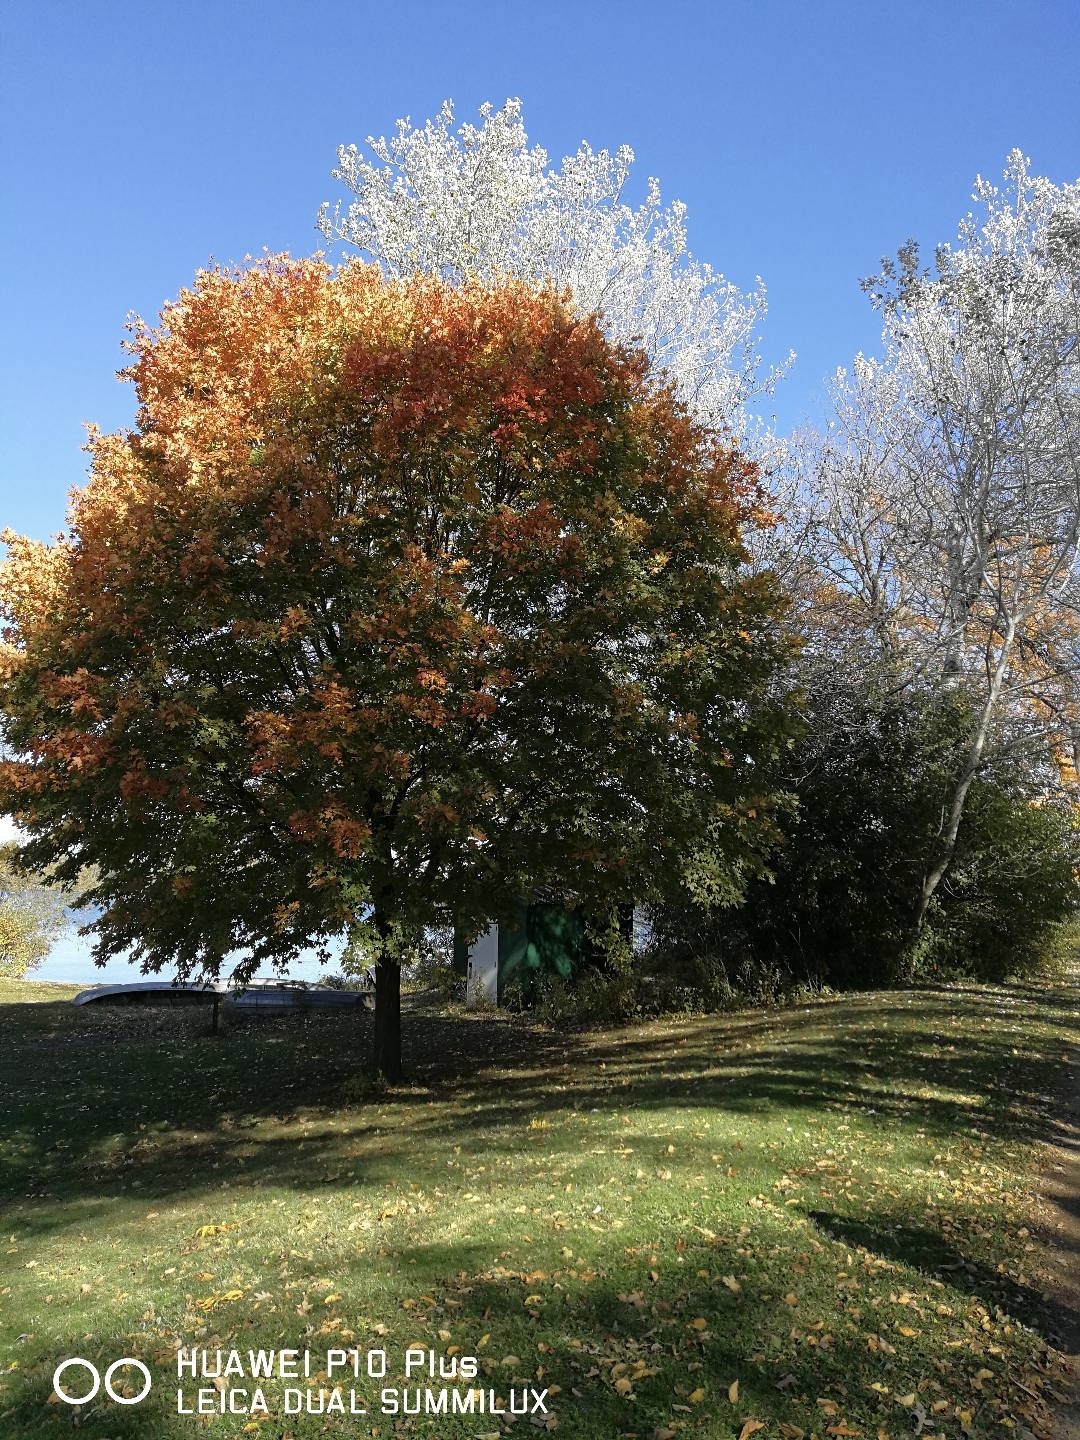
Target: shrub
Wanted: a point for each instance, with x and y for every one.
(1009, 901)
(32, 915)
(839, 907)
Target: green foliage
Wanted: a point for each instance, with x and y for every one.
(31, 915)
(704, 972)
(1007, 905)
(433, 967)
(593, 997)
(839, 908)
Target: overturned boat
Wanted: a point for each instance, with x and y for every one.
(265, 997)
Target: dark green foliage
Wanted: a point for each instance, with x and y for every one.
(839, 909)
(1005, 906)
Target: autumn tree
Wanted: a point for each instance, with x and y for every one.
(400, 601)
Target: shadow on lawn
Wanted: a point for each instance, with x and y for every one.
(101, 1106)
(928, 1250)
(141, 1107)
(583, 1338)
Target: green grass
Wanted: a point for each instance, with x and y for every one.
(825, 1205)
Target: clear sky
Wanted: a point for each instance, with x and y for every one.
(807, 137)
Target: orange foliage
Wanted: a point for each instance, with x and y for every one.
(397, 593)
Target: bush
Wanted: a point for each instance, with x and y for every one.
(593, 997)
(32, 916)
(838, 908)
(1007, 907)
(433, 966)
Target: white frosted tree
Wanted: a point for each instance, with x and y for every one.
(947, 495)
(479, 201)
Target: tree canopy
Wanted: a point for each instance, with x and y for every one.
(941, 510)
(479, 202)
(399, 601)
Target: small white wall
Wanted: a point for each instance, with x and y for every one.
(482, 982)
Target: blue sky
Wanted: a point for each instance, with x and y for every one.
(807, 137)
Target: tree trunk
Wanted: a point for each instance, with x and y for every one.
(947, 848)
(386, 1040)
(386, 1045)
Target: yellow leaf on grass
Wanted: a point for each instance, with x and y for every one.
(751, 1427)
(733, 1284)
(791, 1432)
(733, 1392)
(698, 1323)
(696, 1396)
(623, 1386)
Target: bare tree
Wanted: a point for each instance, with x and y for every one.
(947, 491)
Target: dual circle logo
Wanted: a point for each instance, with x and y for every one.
(97, 1380)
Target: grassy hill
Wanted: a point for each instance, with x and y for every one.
(794, 1223)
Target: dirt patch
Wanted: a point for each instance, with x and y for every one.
(1056, 1229)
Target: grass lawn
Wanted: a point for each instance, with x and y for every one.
(794, 1223)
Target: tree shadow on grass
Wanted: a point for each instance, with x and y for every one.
(98, 1113)
(680, 1340)
(101, 1107)
(928, 1250)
